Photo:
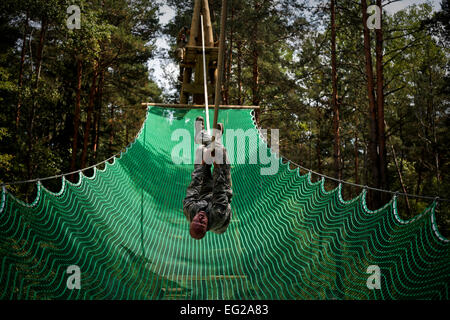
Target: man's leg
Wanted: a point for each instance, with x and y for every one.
(222, 173)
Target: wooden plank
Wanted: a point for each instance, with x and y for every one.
(199, 49)
(170, 290)
(207, 278)
(194, 106)
(196, 88)
(218, 92)
(194, 56)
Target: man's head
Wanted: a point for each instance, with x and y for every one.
(199, 225)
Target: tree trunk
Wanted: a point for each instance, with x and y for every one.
(255, 57)
(229, 61)
(111, 132)
(356, 157)
(319, 157)
(337, 138)
(97, 116)
(400, 176)
(126, 129)
(33, 103)
(255, 79)
(373, 127)
(420, 172)
(239, 72)
(318, 146)
(380, 107)
(435, 146)
(87, 129)
(21, 67)
(44, 25)
(76, 119)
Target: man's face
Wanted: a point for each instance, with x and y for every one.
(199, 225)
(201, 218)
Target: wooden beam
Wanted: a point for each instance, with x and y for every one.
(198, 49)
(218, 92)
(194, 54)
(196, 88)
(194, 106)
(207, 278)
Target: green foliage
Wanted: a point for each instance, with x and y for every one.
(278, 55)
(38, 94)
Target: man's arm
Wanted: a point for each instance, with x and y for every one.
(220, 214)
(200, 185)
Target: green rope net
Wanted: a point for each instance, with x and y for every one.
(289, 238)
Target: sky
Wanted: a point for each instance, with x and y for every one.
(396, 6)
(157, 64)
(160, 66)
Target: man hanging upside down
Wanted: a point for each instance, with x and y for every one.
(208, 197)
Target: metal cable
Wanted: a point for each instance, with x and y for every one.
(395, 193)
(3, 184)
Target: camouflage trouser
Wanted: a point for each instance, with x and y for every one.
(210, 192)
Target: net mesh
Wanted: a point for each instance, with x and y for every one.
(289, 238)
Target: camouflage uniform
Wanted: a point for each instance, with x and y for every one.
(210, 192)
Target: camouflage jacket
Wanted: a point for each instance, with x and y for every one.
(210, 193)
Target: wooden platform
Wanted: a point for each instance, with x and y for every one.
(193, 53)
(207, 277)
(195, 106)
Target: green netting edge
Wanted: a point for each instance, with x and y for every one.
(338, 189)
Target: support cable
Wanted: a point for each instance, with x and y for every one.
(395, 193)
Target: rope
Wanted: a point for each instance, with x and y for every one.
(3, 184)
(340, 181)
(395, 193)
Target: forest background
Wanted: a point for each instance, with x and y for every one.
(367, 106)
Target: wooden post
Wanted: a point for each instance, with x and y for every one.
(208, 30)
(193, 57)
(205, 77)
(218, 96)
(195, 24)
